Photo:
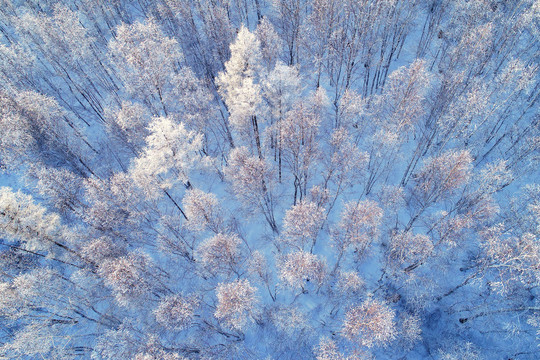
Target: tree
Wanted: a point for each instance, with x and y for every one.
(24, 221)
(465, 61)
(252, 182)
(394, 115)
(219, 31)
(289, 15)
(349, 111)
(440, 178)
(129, 125)
(42, 131)
(391, 198)
(460, 352)
(410, 330)
(204, 30)
(113, 206)
(370, 324)
(15, 65)
(299, 132)
(102, 249)
(176, 242)
(408, 248)
(512, 259)
(61, 186)
(203, 211)
(70, 66)
(131, 277)
(221, 254)
(176, 312)
(171, 152)
(116, 344)
(280, 89)
(344, 166)
(198, 107)
(358, 227)
(320, 25)
(327, 350)
(35, 340)
(285, 179)
(271, 43)
(302, 224)
(236, 303)
(349, 282)
(299, 268)
(239, 85)
(400, 106)
(442, 175)
(146, 60)
(288, 320)
(44, 305)
(155, 351)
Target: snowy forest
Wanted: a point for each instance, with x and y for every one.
(270, 179)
